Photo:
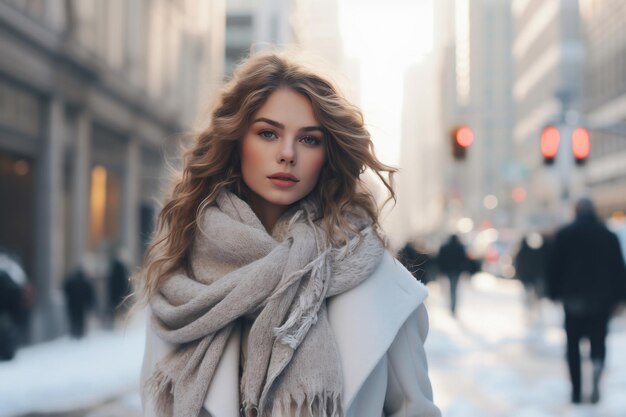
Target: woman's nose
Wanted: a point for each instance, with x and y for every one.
(287, 153)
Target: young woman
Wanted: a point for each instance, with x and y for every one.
(270, 289)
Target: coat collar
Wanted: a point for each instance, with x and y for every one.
(365, 321)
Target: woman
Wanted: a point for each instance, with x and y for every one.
(270, 290)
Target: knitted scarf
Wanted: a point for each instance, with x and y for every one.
(281, 282)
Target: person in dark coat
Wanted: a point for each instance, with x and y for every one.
(119, 287)
(530, 266)
(418, 262)
(453, 261)
(587, 274)
(79, 298)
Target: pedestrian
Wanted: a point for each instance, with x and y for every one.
(419, 262)
(118, 286)
(453, 261)
(530, 268)
(270, 289)
(586, 273)
(79, 299)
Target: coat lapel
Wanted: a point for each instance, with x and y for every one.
(366, 319)
(223, 396)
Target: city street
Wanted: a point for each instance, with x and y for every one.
(497, 360)
(485, 138)
(493, 361)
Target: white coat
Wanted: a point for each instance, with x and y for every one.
(380, 327)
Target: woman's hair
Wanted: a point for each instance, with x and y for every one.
(213, 161)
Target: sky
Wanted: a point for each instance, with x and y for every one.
(385, 38)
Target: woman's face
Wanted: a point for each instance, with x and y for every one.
(282, 152)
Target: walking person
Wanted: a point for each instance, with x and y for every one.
(270, 289)
(530, 269)
(118, 286)
(453, 261)
(419, 262)
(586, 273)
(79, 299)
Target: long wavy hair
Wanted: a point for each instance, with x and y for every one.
(213, 161)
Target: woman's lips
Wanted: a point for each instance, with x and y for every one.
(282, 182)
(283, 179)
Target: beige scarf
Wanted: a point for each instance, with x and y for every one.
(282, 282)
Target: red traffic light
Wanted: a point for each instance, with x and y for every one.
(461, 137)
(550, 138)
(464, 136)
(580, 144)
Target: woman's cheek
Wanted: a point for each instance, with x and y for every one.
(251, 157)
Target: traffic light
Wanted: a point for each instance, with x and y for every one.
(550, 138)
(580, 145)
(461, 138)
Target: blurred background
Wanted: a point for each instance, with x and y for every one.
(498, 113)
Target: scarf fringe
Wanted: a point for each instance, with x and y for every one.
(162, 387)
(324, 404)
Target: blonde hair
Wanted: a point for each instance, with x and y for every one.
(213, 161)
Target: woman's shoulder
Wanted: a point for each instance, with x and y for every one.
(391, 276)
(391, 292)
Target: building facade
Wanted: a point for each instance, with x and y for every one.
(256, 25)
(92, 97)
(420, 180)
(548, 52)
(604, 102)
(476, 75)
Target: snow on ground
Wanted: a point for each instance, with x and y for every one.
(493, 360)
(67, 374)
(497, 358)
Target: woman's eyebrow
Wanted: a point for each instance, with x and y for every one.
(282, 126)
(313, 129)
(269, 122)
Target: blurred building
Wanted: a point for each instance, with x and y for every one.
(549, 56)
(452, 112)
(492, 166)
(92, 93)
(420, 180)
(317, 31)
(604, 101)
(476, 75)
(303, 24)
(256, 24)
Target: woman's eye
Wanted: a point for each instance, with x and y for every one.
(310, 140)
(268, 134)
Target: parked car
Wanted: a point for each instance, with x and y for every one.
(16, 300)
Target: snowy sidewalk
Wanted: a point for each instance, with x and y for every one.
(66, 375)
(490, 362)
